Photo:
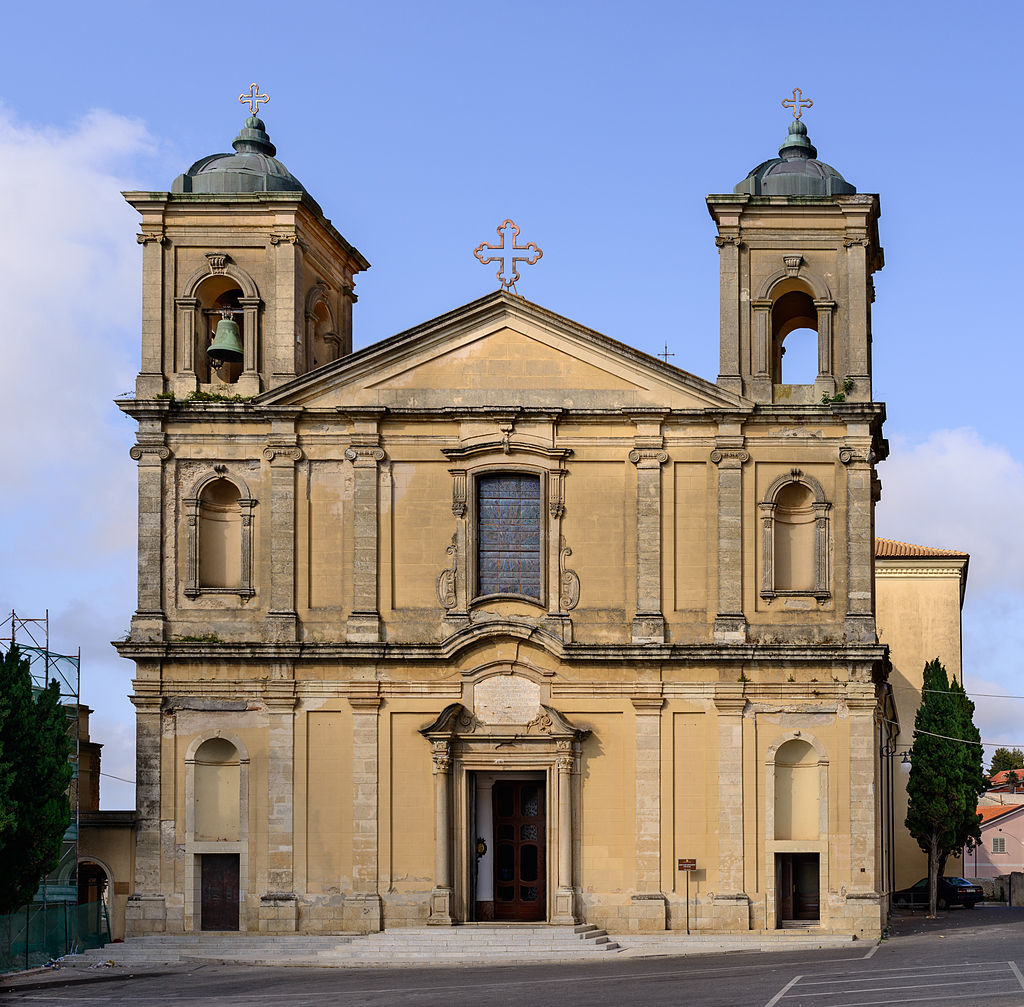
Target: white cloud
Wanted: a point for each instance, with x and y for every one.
(69, 317)
(957, 491)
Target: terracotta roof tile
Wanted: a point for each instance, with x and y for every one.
(1001, 776)
(990, 811)
(889, 548)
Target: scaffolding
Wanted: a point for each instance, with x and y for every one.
(32, 638)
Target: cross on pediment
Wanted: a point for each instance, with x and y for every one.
(253, 99)
(797, 103)
(508, 253)
(665, 354)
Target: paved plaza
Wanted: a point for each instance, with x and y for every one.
(963, 958)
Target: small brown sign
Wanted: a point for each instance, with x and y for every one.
(687, 865)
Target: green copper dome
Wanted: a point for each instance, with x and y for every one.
(796, 171)
(252, 168)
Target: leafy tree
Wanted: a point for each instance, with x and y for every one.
(1006, 758)
(945, 774)
(34, 778)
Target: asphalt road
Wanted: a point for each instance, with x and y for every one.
(964, 958)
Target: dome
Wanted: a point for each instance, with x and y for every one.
(796, 171)
(252, 168)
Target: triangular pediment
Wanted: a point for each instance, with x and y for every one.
(501, 351)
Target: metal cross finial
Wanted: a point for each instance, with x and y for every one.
(253, 99)
(797, 103)
(665, 354)
(507, 273)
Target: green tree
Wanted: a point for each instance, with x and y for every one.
(34, 778)
(1006, 758)
(945, 775)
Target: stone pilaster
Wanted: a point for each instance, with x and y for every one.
(146, 911)
(364, 621)
(825, 383)
(730, 456)
(648, 456)
(282, 453)
(731, 903)
(647, 904)
(286, 274)
(729, 375)
(860, 545)
(761, 336)
(565, 894)
(441, 895)
(863, 807)
(278, 904)
(362, 909)
(154, 241)
(150, 452)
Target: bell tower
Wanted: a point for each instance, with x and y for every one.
(798, 246)
(246, 283)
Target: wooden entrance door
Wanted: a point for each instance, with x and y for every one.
(520, 823)
(219, 881)
(797, 880)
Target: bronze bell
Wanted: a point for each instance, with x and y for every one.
(227, 344)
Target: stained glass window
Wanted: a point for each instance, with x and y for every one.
(508, 534)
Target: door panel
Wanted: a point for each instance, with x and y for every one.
(520, 882)
(219, 880)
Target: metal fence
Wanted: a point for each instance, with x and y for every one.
(43, 931)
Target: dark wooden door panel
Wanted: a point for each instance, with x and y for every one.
(219, 881)
(520, 823)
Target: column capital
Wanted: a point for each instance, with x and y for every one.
(364, 455)
(732, 458)
(648, 458)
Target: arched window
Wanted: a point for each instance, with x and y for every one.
(796, 791)
(219, 531)
(795, 537)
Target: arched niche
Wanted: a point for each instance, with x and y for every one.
(795, 537)
(218, 530)
(322, 342)
(223, 285)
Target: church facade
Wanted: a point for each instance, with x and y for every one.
(499, 618)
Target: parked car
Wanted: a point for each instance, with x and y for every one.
(952, 892)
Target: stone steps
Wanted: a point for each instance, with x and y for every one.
(403, 945)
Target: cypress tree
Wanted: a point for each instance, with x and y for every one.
(34, 778)
(945, 774)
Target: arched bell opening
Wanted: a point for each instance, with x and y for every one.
(794, 346)
(219, 349)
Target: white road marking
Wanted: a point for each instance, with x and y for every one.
(885, 989)
(928, 999)
(1016, 972)
(782, 992)
(875, 977)
(872, 951)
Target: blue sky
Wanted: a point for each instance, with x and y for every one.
(598, 127)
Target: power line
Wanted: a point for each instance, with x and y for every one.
(986, 695)
(113, 777)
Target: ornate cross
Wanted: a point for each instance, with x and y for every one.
(665, 354)
(797, 103)
(253, 99)
(507, 273)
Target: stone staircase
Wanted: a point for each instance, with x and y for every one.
(466, 944)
